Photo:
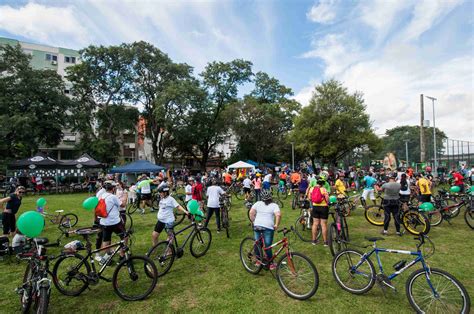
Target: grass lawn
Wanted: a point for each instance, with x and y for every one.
(217, 282)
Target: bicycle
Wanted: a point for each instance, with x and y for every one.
(295, 200)
(293, 269)
(445, 212)
(428, 289)
(65, 221)
(348, 204)
(165, 252)
(469, 213)
(304, 224)
(225, 207)
(73, 273)
(338, 230)
(282, 191)
(36, 286)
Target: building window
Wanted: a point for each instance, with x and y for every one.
(67, 91)
(73, 59)
(51, 57)
(69, 59)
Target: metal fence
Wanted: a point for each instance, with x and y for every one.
(456, 153)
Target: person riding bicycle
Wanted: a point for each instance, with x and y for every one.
(265, 216)
(165, 214)
(424, 187)
(13, 203)
(213, 194)
(295, 179)
(391, 204)
(282, 181)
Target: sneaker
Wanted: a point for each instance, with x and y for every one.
(273, 266)
(399, 234)
(218, 230)
(314, 242)
(326, 243)
(384, 232)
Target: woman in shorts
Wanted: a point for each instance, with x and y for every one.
(320, 213)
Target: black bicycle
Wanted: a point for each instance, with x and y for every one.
(165, 252)
(134, 278)
(225, 208)
(338, 231)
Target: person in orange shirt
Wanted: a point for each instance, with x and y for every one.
(227, 179)
(295, 179)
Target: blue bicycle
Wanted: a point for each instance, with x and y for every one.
(429, 290)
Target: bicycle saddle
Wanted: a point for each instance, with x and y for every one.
(373, 239)
(59, 211)
(41, 241)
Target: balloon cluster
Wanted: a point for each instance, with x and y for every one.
(193, 207)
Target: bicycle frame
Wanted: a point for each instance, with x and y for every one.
(284, 245)
(174, 234)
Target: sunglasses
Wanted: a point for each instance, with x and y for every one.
(21, 192)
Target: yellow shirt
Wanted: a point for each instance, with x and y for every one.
(340, 187)
(424, 185)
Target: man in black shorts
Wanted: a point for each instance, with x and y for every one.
(13, 202)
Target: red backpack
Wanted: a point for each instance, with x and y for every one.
(101, 209)
(316, 195)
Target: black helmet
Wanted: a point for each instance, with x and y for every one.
(164, 188)
(265, 195)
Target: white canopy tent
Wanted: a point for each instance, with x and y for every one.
(241, 165)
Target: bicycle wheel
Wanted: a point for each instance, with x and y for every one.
(374, 214)
(132, 208)
(128, 222)
(333, 239)
(179, 216)
(415, 222)
(435, 217)
(345, 230)
(70, 274)
(225, 221)
(68, 221)
(163, 256)
(25, 297)
(42, 302)
(278, 202)
(469, 217)
(297, 276)
(200, 242)
(239, 194)
(454, 211)
(357, 280)
(451, 296)
(135, 278)
(251, 255)
(303, 228)
(282, 194)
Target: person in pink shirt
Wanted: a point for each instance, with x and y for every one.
(257, 184)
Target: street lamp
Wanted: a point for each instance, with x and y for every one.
(293, 156)
(435, 162)
(406, 151)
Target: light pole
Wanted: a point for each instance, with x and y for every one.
(406, 152)
(435, 162)
(293, 156)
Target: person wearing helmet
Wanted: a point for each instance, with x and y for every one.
(265, 216)
(391, 203)
(213, 205)
(165, 214)
(320, 212)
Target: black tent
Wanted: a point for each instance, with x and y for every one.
(84, 161)
(40, 160)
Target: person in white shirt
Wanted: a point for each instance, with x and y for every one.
(112, 223)
(265, 216)
(213, 205)
(267, 181)
(165, 213)
(247, 183)
(188, 190)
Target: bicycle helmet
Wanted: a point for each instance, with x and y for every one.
(164, 188)
(265, 195)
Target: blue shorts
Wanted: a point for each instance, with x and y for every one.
(266, 185)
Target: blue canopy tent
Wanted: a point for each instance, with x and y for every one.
(138, 166)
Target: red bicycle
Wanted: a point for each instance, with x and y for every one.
(295, 272)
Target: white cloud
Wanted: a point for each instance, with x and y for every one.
(323, 12)
(54, 25)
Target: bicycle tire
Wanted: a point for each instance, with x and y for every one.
(225, 221)
(201, 238)
(278, 202)
(179, 216)
(435, 217)
(250, 255)
(333, 239)
(412, 295)
(68, 221)
(162, 259)
(132, 208)
(42, 303)
(128, 222)
(239, 194)
(374, 214)
(469, 217)
(132, 265)
(293, 267)
(282, 194)
(294, 201)
(347, 262)
(303, 229)
(345, 230)
(415, 222)
(70, 274)
(26, 303)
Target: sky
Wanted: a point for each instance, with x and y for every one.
(390, 50)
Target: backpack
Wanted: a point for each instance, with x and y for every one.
(101, 208)
(404, 185)
(316, 195)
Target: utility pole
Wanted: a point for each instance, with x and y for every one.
(422, 137)
(293, 156)
(406, 152)
(435, 161)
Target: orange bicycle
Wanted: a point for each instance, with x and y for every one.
(295, 272)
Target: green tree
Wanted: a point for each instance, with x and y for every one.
(263, 119)
(333, 125)
(394, 141)
(32, 105)
(156, 80)
(102, 82)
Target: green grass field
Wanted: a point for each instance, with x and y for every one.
(217, 282)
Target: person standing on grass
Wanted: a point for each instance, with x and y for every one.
(320, 212)
(13, 203)
(424, 188)
(213, 205)
(265, 216)
(247, 187)
(197, 191)
(391, 204)
(369, 182)
(122, 194)
(267, 179)
(257, 183)
(188, 190)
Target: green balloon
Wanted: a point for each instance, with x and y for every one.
(193, 206)
(30, 224)
(199, 215)
(472, 189)
(90, 203)
(332, 199)
(455, 189)
(41, 202)
(426, 207)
